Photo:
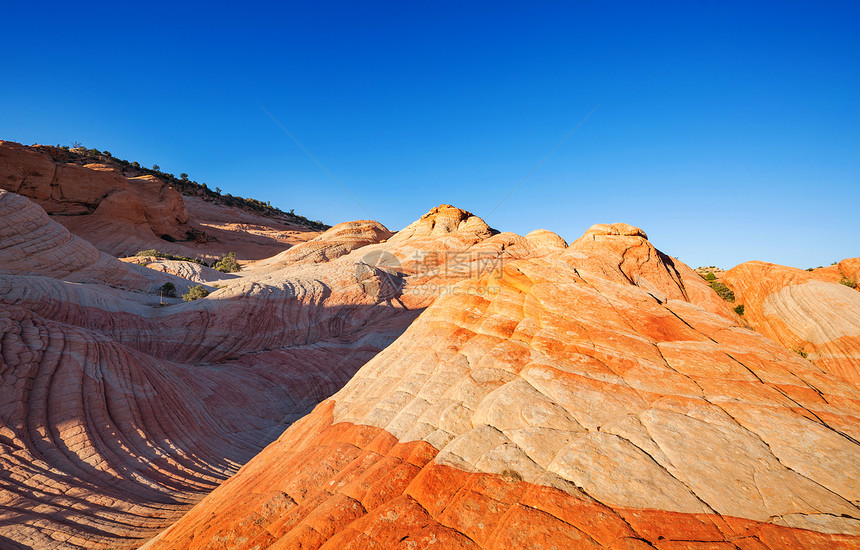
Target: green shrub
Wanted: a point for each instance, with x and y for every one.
(227, 263)
(168, 289)
(195, 293)
(152, 253)
(799, 350)
(848, 282)
(724, 292)
(709, 276)
(739, 309)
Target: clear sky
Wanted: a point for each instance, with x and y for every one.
(728, 131)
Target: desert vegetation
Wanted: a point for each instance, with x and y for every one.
(800, 351)
(152, 253)
(724, 292)
(168, 290)
(195, 293)
(227, 264)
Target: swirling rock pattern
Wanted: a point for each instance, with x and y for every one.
(598, 396)
(118, 414)
(190, 271)
(591, 395)
(808, 312)
(338, 241)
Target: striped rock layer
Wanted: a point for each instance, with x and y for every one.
(118, 413)
(816, 314)
(599, 395)
(596, 395)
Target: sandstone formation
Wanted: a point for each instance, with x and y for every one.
(118, 414)
(32, 243)
(122, 216)
(600, 395)
(190, 271)
(810, 313)
(251, 236)
(447, 385)
(333, 243)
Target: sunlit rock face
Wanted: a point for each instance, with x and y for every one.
(472, 389)
(599, 395)
(121, 215)
(94, 199)
(816, 314)
(121, 408)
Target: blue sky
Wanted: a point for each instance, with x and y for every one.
(729, 131)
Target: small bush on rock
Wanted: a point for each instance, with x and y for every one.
(227, 264)
(724, 291)
(195, 293)
(152, 253)
(168, 289)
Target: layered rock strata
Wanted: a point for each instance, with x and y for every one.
(598, 396)
(813, 313)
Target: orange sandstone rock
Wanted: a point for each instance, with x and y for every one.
(122, 216)
(809, 313)
(602, 396)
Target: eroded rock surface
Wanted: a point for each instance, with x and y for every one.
(592, 395)
(333, 243)
(811, 313)
(119, 413)
(597, 396)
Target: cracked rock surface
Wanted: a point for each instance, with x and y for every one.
(812, 313)
(446, 385)
(598, 395)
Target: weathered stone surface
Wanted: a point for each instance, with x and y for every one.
(359, 487)
(338, 241)
(190, 271)
(584, 396)
(599, 396)
(117, 414)
(251, 236)
(808, 312)
(93, 196)
(33, 244)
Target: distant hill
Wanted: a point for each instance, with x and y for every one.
(122, 208)
(83, 156)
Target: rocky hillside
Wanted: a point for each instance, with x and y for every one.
(446, 385)
(598, 396)
(123, 208)
(814, 313)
